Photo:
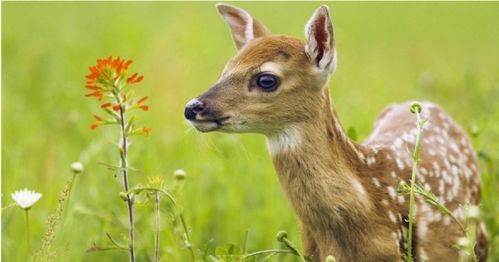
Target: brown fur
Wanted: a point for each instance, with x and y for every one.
(344, 192)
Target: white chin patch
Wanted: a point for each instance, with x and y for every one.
(284, 141)
(205, 126)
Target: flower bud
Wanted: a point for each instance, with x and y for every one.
(123, 196)
(281, 236)
(179, 174)
(77, 167)
(416, 108)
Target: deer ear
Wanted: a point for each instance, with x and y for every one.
(243, 26)
(320, 47)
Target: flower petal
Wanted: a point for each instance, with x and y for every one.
(142, 100)
(105, 105)
(25, 198)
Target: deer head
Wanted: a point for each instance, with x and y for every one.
(273, 82)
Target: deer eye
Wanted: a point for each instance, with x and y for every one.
(267, 82)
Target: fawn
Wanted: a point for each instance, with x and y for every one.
(344, 193)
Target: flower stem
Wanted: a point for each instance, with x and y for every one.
(187, 240)
(124, 168)
(27, 227)
(156, 240)
(415, 158)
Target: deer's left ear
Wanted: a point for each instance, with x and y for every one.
(243, 26)
(320, 46)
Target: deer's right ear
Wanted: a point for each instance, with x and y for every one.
(320, 46)
(243, 26)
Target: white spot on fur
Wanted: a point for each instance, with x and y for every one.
(376, 182)
(436, 167)
(447, 220)
(400, 165)
(360, 189)
(441, 187)
(400, 199)
(391, 192)
(392, 216)
(422, 229)
(437, 216)
(397, 143)
(408, 137)
(473, 167)
(360, 155)
(394, 235)
(371, 160)
(285, 141)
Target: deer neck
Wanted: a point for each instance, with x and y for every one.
(318, 168)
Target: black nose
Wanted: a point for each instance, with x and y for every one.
(193, 108)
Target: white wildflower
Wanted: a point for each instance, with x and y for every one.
(26, 198)
(77, 167)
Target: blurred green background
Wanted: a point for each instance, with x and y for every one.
(388, 52)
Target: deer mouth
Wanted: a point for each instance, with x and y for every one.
(208, 125)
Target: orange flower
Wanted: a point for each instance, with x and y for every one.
(106, 80)
(107, 69)
(104, 74)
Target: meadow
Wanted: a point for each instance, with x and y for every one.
(388, 52)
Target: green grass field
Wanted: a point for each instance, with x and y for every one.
(388, 52)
